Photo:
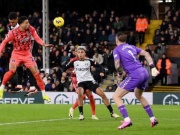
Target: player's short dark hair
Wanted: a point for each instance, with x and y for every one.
(22, 19)
(12, 16)
(122, 37)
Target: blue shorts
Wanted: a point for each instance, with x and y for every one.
(137, 78)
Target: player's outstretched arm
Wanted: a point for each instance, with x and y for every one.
(38, 39)
(147, 56)
(68, 65)
(149, 59)
(48, 45)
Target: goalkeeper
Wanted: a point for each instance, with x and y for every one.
(126, 60)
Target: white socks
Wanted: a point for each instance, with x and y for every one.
(127, 119)
(43, 92)
(2, 87)
(152, 118)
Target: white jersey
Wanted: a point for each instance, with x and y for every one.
(82, 69)
(11, 27)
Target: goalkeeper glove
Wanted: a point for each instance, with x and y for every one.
(154, 71)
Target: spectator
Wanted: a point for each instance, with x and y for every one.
(112, 36)
(102, 37)
(39, 62)
(157, 37)
(2, 30)
(111, 87)
(109, 60)
(45, 78)
(164, 26)
(61, 84)
(141, 27)
(96, 72)
(90, 51)
(132, 22)
(27, 87)
(163, 41)
(118, 24)
(53, 87)
(88, 37)
(175, 23)
(164, 67)
(48, 86)
(98, 58)
(108, 30)
(54, 77)
(159, 50)
(131, 38)
(64, 58)
(176, 34)
(68, 84)
(166, 36)
(178, 41)
(110, 22)
(70, 51)
(154, 57)
(172, 40)
(78, 39)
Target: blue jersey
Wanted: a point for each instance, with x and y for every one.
(128, 56)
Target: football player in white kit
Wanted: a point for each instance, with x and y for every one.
(86, 81)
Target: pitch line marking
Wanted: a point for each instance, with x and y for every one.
(51, 120)
(35, 121)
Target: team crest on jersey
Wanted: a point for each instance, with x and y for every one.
(28, 33)
(32, 59)
(19, 37)
(86, 64)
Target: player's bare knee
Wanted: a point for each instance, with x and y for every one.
(138, 96)
(103, 96)
(114, 96)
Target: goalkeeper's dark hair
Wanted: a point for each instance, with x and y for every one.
(122, 37)
(12, 16)
(22, 19)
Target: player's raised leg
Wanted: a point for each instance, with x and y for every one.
(117, 97)
(146, 106)
(7, 77)
(39, 80)
(106, 102)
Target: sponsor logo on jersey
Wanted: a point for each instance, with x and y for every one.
(82, 69)
(25, 39)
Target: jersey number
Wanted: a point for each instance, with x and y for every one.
(130, 52)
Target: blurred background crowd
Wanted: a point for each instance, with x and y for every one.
(96, 30)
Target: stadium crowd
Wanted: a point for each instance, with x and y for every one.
(97, 32)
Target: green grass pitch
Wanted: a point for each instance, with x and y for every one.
(41, 119)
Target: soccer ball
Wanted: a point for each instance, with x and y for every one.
(58, 21)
